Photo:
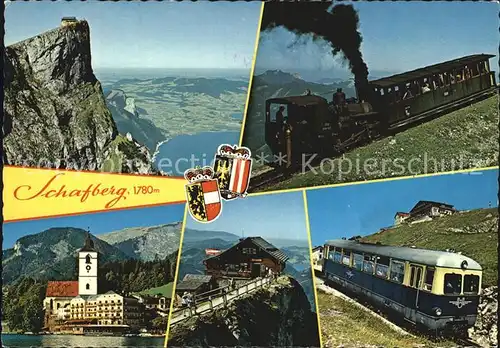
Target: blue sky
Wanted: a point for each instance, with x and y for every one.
(363, 209)
(279, 215)
(397, 37)
(98, 222)
(150, 34)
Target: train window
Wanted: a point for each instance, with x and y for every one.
(382, 266)
(357, 261)
(452, 283)
(368, 264)
(331, 253)
(338, 255)
(276, 114)
(475, 70)
(429, 278)
(397, 271)
(471, 284)
(346, 258)
(483, 68)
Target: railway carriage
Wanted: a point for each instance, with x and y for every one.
(382, 106)
(433, 289)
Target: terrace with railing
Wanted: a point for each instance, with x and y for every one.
(216, 298)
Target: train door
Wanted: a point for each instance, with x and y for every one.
(416, 277)
(273, 126)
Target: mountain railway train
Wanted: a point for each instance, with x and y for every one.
(312, 125)
(437, 291)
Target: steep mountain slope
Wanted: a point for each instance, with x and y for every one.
(275, 83)
(473, 233)
(51, 254)
(279, 315)
(128, 120)
(146, 243)
(55, 112)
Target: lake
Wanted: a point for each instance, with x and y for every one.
(12, 340)
(187, 151)
(237, 116)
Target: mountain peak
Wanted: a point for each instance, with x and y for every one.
(67, 62)
(277, 77)
(54, 108)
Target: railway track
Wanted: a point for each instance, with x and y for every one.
(402, 325)
(267, 178)
(466, 343)
(278, 174)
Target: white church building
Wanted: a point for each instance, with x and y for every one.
(77, 306)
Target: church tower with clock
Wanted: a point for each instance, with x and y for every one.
(87, 268)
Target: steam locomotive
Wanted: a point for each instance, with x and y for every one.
(314, 126)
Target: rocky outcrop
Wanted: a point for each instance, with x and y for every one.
(55, 114)
(128, 120)
(279, 315)
(485, 332)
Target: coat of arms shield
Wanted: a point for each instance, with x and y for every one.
(233, 167)
(203, 195)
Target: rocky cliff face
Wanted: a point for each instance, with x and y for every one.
(128, 120)
(485, 332)
(55, 112)
(279, 315)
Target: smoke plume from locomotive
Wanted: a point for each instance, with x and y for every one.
(338, 26)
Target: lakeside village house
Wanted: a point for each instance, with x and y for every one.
(250, 258)
(424, 211)
(76, 306)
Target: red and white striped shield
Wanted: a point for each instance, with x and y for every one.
(203, 195)
(233, 167)
(240, 175)
(204, 200)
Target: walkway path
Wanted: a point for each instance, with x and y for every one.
(218, 301)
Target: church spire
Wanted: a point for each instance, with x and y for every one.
(89, 243)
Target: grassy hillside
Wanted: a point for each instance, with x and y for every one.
(165, 290)
(466, 138)
(474, 233)
(344, 324)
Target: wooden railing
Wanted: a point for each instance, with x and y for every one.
(220, 297)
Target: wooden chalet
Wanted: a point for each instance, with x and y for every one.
(195, 284)
(431, 209)
(251, 257)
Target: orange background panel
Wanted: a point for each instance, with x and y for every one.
(33, 193)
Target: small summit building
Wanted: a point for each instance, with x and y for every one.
(66, 21)
(251, 257)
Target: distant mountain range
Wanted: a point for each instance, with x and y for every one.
(146, 243)
(51, 254)
(327, 76)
